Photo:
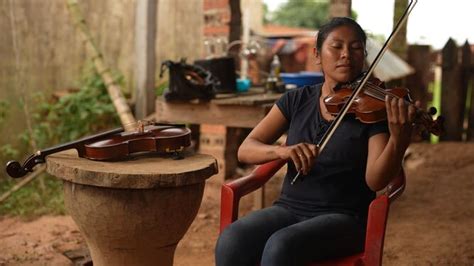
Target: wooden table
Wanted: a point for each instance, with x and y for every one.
(242, 110)
(234, 111)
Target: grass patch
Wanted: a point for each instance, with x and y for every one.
(435, 89)
(32, 201)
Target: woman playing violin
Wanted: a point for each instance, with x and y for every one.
(323, 214)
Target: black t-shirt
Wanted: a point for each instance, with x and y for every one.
(336, 181)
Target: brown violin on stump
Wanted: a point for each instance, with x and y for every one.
(116, 145)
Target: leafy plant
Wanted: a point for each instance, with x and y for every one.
(85, 112)
(162, 85)
(31, 201)
(301, 13)
(3, 111)
(75, 115)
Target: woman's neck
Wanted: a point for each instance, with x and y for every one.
(327, 89)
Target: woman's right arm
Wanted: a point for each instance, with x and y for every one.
(258, 147)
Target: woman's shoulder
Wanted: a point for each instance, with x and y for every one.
(308, 90)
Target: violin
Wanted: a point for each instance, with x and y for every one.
(115, 145)
(369, 104)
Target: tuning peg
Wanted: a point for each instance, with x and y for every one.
(432, 110)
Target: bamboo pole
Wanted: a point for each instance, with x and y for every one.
(125, 114)
(22, 183)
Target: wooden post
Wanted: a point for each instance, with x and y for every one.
(399, 44)
(235, 30)
(468, 80)
(145, 36)
(340, 8)
(419, 57)
(453, 93)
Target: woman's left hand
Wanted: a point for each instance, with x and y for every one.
(400, 117)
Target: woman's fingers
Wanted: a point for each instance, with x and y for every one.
(399, 112)
(411, 113)
(388, 107)
(308, 157)
(394, 108)
(402, 111)
(303, 156)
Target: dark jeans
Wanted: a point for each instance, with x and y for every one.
(275, 236)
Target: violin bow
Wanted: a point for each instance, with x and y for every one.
(335, 124)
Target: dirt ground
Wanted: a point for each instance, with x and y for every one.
(431, 224)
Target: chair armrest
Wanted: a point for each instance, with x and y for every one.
(377, 220)
(232, 191)
(396, 187)
(375, 235)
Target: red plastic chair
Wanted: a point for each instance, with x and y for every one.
(232, 191)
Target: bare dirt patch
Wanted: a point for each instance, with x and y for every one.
(431, 224)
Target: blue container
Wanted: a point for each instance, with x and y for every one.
(243, 85)
(302, 78)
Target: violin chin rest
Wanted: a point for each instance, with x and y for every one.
(15, 170)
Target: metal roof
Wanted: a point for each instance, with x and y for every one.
(391, 66)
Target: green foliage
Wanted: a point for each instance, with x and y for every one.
(435, 89)
(75, 115)
(301, 13)
(85, 112)
(162, 85)
(6, 151)
(31, 200)
(266, 14)
(3, 111)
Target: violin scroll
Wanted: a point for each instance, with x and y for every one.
(15, 170)
(435, 127)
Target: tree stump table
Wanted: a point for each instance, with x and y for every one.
(132, 212)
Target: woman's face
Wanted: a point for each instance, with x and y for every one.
(342, 56)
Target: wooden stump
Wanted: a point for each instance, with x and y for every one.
(132, 212)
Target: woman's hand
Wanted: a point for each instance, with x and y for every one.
(400, 117)
(302, 155)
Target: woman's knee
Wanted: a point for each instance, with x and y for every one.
(232, 248)
(227, 242)
(279, 250)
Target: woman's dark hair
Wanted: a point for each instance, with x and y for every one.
(335, 23)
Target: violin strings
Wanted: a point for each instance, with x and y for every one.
(379, 93)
